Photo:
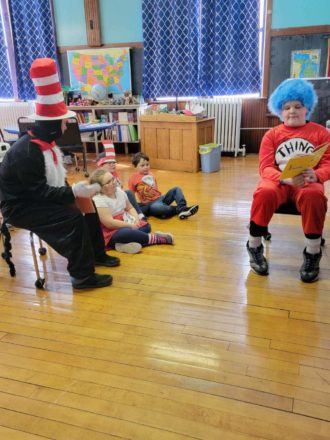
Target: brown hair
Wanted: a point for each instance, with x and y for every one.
(138, 156)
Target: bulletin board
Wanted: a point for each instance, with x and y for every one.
(282, 48)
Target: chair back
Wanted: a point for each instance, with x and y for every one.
(24, 125)
(71, 137)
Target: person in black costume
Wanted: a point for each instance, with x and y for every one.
(35, 196)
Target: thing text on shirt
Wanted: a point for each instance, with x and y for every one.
(292, 147)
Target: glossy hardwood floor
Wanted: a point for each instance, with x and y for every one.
(186, 344)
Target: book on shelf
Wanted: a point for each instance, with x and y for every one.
(298, 164)
(114, 134)
(125, 133)
(130, 116)
(80, 117)
(118, 128)
(133, 133)
(114, 116)
(84, 117)
(122, 117)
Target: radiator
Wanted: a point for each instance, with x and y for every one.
(10, 112)
(227, 113)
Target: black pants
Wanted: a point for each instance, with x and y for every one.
(74, 236)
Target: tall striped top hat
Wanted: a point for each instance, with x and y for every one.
(50, 103)
(110, 155)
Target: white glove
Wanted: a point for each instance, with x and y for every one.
(81, 189)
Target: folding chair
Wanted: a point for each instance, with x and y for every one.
(7, 255)
(71, 142)
(289, 209)
(4, 140)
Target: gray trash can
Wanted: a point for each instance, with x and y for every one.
(210, 157)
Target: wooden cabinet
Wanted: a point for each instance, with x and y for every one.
(172, 141)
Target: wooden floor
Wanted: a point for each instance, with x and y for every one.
(186, 344)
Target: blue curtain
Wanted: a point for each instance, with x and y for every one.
(33, 36)
(170, 33)
(6, 87)
(229, 49)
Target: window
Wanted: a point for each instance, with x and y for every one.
(203, 47)
(26, 33)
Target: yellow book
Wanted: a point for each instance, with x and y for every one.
(298, 164)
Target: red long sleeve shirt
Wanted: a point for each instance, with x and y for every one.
(281, 143)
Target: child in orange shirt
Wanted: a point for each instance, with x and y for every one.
(152, 202)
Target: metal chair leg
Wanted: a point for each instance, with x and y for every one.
(40, 282)
(86, 173)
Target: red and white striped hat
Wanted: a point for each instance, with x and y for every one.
(110, 154)
(50, 103)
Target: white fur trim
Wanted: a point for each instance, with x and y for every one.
(55, 174)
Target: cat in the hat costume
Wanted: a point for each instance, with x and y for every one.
(35, 196)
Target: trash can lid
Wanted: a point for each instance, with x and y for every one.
(207, 148)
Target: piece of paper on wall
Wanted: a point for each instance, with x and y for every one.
(305, 63)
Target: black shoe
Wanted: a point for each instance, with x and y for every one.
(108, 261)
(187, 211)
(93, 282)
(309, 270)
(258, 262)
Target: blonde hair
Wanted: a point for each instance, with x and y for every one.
(97, 175)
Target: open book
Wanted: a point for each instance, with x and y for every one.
(298, 164)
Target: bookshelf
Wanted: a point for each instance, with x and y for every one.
(127, 118)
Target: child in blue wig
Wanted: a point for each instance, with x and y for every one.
(293, 101)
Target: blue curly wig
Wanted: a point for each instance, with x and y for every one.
(293, 90)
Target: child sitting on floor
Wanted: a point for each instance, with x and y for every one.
(121, 226)
(108, 162)
(152, 202)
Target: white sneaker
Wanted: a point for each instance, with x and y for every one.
(128, 248)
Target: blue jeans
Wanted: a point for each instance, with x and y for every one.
(162, 207)
(133, 202)
(128, 235)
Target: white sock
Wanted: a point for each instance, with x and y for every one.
(313, 246)
(254, 242)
